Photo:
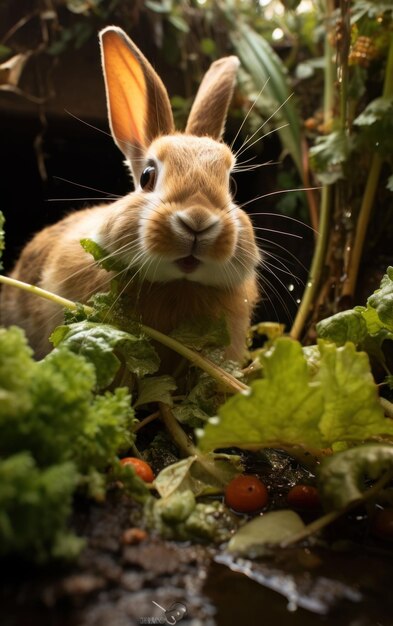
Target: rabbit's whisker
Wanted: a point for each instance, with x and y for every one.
(283, 268)
(280, 232)
(72, 182)
(249, 168)
(249, 112)
(78, 199)
(277, 245)
(279, 297)
(246, 145)
(270, 132)
(286, 217)
(104, 132)
(275, 193)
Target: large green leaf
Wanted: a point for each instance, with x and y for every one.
(296, 405)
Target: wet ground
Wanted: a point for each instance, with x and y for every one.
(124, 576)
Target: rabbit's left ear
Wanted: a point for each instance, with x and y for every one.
(138, 103)
(209, 111)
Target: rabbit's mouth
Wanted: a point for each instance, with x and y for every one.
(188, 264)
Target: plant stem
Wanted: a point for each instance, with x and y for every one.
(317, 262)
(316, 267)
(147, 420)
(369, 194)
(230, 382)
(186, 446)
(310, 193)
(43, 293)
(178, 435)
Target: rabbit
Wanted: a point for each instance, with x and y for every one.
(189, 250)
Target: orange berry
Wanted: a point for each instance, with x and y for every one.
(142, 469)
(304, 497)
(246, 494)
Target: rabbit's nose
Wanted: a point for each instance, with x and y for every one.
(197, 222)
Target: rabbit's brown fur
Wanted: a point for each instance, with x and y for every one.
(187, 217)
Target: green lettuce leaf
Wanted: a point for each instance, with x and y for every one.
(16, 371)
(103, 258)
(180, 517)
(56, 435)
(329, 155)
(107, 347)
(271, 528)
(358, 323)
(377, 110)
(293, 405)
(35, 505)
(352, 411)
(202, 333)
(342, 476)
(155, 389)
(200, 403)
(203, 474)
(369, 327)
(282, 407)
(344, 326)
(382, 300)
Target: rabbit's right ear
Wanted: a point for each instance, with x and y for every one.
(138, 104)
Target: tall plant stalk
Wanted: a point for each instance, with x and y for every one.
(369, 193)
(317, 263)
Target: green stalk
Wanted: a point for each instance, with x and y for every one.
(221, 376)
(43, 293)
(369, 193)
(216, 372)
(185, 445)
(318, 259)
(317, 263)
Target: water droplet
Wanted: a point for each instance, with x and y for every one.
(298, 301)
(291, 287)
(214, 420)
(310, 283)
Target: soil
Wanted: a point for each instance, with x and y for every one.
(115, 581)
(124, 575)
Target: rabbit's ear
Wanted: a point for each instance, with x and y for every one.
(209, 111)
(138, 103)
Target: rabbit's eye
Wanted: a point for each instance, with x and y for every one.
(148, 178)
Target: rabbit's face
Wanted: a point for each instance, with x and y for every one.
(187, 225)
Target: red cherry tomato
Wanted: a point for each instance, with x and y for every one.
(142, 469)
(304, 497)
(246, 494)
(383, 524)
